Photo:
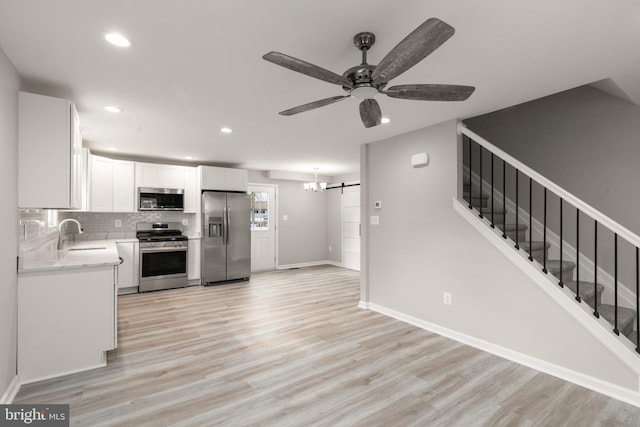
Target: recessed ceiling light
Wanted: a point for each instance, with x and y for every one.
(385, 120)
(225, 130)
(112, 149)
(117, 39)
(188, 158)
(113, 109)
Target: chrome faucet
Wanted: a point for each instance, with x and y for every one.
(60, 239)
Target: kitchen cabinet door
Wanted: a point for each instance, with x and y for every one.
(223, 179)
(193, 263)
(211, 177)
(123, 186)
(172, 176)
(159, 176)
(101, 192)
(66, 321)
(190, 190)
(127, 270)
(236, 179)
(49, 141)
(147, 175)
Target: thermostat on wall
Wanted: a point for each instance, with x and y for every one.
(420, 160)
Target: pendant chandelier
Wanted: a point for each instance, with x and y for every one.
(315, 185)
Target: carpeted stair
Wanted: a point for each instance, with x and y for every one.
(539, 251)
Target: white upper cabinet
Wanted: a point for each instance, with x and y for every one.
(49, 153)
(112, 185)
(124, 197)
(101, 185)
(159, 176)
(191, 191)
(224, 179)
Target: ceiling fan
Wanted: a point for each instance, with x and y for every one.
(365, 81)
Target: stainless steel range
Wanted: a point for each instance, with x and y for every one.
(163, 256)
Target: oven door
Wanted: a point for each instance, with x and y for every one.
(162, 268)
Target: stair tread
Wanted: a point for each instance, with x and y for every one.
(553, 266)
(586, 288)
(626, 316)
(512, 227)
(487, 210)
(535, 245)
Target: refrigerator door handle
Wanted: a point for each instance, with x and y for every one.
(228, 221)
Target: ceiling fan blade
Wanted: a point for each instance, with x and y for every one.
(431, 92)
(370, 113)
(312, 105)
(414, 48)
(306, 68)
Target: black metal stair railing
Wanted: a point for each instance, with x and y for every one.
(537, 210)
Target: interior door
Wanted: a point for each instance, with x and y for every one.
(351, 227)
(263, 230)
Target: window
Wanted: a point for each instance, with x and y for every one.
(260, 210)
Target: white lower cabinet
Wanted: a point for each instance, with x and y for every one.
(66, 321)
(128, 279)
(193, 263)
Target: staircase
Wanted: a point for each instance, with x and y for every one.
(589, 293)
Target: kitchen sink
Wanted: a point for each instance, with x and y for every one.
(87, 249)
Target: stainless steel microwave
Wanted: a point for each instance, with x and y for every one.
(160, 199)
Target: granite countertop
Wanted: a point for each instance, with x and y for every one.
(79, 254)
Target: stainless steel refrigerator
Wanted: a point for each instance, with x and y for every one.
(226, 238)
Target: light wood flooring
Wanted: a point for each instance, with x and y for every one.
(291, 348)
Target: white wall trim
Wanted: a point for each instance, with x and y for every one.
(629, 396)
(66, 373)
(11, 392)
(620, 346)
(308, 264)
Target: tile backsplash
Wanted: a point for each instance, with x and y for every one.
(39, 227)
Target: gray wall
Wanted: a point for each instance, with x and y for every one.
(9, 83)
(303, 237)
(583, 139)
(422, 248)
(586, 141)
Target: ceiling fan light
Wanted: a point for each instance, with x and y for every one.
(364, 92)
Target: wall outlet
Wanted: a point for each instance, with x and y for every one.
(330, 248)
(118, 223)
(285, 217)
(447, 299)
(185, 221)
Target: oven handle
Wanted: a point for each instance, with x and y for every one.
(180, 249)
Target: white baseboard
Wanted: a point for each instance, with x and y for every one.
(612, 390)
(11, 392)
(308, 264)
(71, 372)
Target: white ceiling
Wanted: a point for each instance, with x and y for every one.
(195, 66)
